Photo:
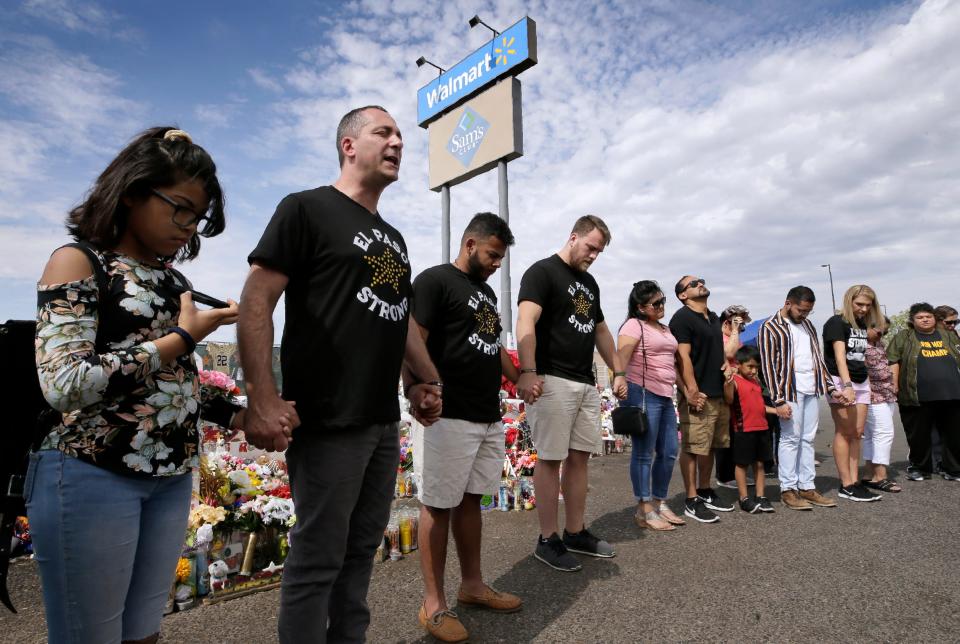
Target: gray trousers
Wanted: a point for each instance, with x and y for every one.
(342, 482)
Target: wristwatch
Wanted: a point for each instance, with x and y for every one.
(848, 385)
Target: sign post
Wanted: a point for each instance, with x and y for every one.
(473, 115)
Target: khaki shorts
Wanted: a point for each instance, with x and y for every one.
(457, 457)
(565, 417)
(706, 429)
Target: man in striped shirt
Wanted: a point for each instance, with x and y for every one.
(796, 375)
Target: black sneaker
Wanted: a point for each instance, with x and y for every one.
(714, 502)
(696, 509)
(913, 474)
(586, 543)
(857, 492)
(765, 504)
(552, 552)
(950, 477)
(749, 504)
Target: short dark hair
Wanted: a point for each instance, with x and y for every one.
(148, 162)
(351, 124)
(748, 352)
(920, 307)
(679, 288)
(487, 224)
(588, 223)
(800, 294)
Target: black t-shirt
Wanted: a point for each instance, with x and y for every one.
(937, 375)
(347, 307)
(836, 329)
(460, 312)
(567, 327)
(705, 338)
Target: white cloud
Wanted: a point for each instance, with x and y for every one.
(261, 79)
(84, 17)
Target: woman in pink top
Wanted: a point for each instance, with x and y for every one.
(649, 350)
(878, 432)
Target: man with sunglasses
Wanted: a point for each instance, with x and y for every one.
(704, 416)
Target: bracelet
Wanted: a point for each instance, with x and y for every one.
(435, 383)
(848, 385)
(617, 374)
(187, 338)
(534, 370)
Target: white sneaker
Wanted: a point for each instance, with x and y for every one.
(730, 485)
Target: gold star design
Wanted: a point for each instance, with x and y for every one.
(386, 269)
(581, 305)
(486, 320)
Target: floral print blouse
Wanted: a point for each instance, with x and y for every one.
(121, 408)
(881, 377)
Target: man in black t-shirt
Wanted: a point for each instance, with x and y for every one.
(704, 416)
(462, 455)
(560, 322)
(346, 276)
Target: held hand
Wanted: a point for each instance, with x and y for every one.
(269, 423)
(529, 387)
(784, 411)
(620, 387)
(199, 324)
(426, 403)
(728, 371)
(849, 396)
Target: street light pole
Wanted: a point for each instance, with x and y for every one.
(833, 297)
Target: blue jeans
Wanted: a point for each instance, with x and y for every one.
(661, 437)
(795, 453)
(107, 546)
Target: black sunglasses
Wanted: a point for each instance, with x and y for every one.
(693, 283)
(657, 303)
(951, 322)
(183, 216)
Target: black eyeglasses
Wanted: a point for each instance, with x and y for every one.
(950, 322)
(183, 216)
(657, 303)
(693, 283)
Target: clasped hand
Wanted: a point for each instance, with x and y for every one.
(426, 403)
(269, 423)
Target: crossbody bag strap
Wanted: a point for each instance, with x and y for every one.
(643, 378)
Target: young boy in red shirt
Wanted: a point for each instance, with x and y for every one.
(748, 419)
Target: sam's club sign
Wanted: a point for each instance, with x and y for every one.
(468, 136)
(508, 54)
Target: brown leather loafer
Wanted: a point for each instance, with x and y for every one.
(443, 625)
(492, 600)
(815, 498)
(792, 500)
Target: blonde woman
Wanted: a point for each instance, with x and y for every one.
(844, 349)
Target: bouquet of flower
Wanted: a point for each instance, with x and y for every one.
(216, 387)
(406, 453)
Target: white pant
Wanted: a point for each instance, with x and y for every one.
(878, 434)
(796, 469)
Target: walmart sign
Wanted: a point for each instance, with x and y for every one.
(506, 55)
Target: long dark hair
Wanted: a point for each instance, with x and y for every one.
(641, 293)
(148, 162)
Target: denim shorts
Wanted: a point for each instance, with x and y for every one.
(107, 546)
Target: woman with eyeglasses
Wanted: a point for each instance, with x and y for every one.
(649, 350)
(878, 431)
(844, 352)
(926, 370)
(108, 491)
(947, 317)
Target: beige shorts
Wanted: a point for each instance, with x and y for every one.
(457, 457)
(706, 429)
(565, 417)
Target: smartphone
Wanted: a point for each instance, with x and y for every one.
(203, 298)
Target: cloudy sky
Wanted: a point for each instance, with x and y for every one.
(744, 142)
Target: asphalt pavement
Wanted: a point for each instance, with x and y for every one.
(861, 572)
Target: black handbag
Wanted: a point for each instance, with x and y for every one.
(633, 420)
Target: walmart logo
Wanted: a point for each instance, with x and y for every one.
(467, 136)
(505, 48)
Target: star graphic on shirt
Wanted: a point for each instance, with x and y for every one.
(581, 305)
(386, 269)
(487, 320)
